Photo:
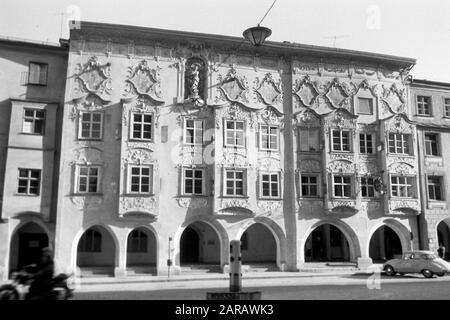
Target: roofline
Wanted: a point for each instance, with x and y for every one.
(13, 41)
(286, 47)
(430, 83)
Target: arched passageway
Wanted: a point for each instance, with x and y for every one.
(96, 252)
(141, 251)
(443, 231)
(385, 244)
(258, 245)
(327, 243)
(26, 245)
(199, 244)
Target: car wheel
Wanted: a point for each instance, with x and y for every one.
(440, 274)
(401, 273)
(427, 273)
(389, 270)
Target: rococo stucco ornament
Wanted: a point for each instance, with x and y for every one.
(95, 78)
(268, 91)
(144, 81)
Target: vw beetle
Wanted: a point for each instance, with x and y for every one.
(424, 262)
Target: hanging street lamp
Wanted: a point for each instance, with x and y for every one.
(257, 35)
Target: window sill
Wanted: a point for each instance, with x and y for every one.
(32, 134)
(234, 197)
(26, 195)
(87, 194)
(189, 196)
(36, 84)
(140, 140)
(269, 150)
(270, 199)
(432, 157)
(310, 198)
(234, 147)
(138, 195)
(310, 152)
(424, 115)
(91, 139)
(341, 152)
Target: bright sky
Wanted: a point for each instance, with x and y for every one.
(411, 28)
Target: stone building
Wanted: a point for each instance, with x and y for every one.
(175, 143)
(430, 108)
(32, 78)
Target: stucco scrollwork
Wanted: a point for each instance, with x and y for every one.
(268, 91)
(140, 204)
(364, 167)
(306, 91)
(94, 77)
(87, 202)
(402, 168)
(144, 81)
(398, 124)
(235, 112)
(87, 155)
(269, 205)
(235, 203)
(234, 87)
(340, 119)
(269, 164)
(341, 166)
(397, 205)
(310, 166)
(192, 203)
(233, 159)
(140, 105)
(395, 98)
(338, 94)
(343, 206)
(342, 156)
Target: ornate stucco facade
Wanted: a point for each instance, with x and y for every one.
(175, 143)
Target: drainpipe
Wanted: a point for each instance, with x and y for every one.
(422, 195)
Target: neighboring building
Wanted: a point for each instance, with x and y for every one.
(32, 78)
(430, 108)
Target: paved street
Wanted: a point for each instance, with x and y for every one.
(311, 288)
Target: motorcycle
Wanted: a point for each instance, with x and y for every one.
(18, 289)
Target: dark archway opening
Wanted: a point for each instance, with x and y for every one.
(327, 244)
(384, 245)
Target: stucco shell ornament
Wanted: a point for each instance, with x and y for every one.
(95, 78)
(144, 81)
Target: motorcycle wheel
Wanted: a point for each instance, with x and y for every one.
(8, 293)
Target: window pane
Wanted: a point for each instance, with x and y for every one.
(364, 106)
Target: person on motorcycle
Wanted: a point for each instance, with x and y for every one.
(42, 277)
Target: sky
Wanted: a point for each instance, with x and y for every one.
(417, 29)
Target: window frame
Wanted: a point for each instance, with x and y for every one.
(446, 104)
(261, 182)
(40, 64)
(183, 182)
(131, 133)
(372, 137)
(438, 144)
(366, 185)
(80, 125)
(130, 176)
(430, 106)
(441, 186)
(350, 140)
(28, 179)
(371, 106)
(351, 196)
(318, 184)
(185, 132)
(277, 136)
(308, 129)
(413, 186)
(244, 183)
(78, 176)
(44, 119)
(225, 136)
(409, 142)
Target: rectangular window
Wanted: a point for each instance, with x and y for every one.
(309, 139)
(234, 182)
(447, 107)
(88, 179)
(193, 132)
(341, 140)
(310, 186)
(365, 143)
(142, 126)
(424, 106)
(342, 186)
(434, 188)
(270, 185)
(193, 181)
(269, 137)
(431, 144)
(402, 186)
(37, 73)
(29, 181)
(365, 106)
(91, 125)
(234, 133)
(367, 187)
(141, 178)
(399, 143)
(34, 121)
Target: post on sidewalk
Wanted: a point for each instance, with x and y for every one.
(235, 292)
(169, 261)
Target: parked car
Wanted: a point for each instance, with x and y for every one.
(425, 262)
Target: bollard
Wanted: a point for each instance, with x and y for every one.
(235, 266)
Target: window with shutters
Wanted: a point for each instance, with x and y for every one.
(268, 137)
(309, 139)
(193, 132)
(234, 133)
